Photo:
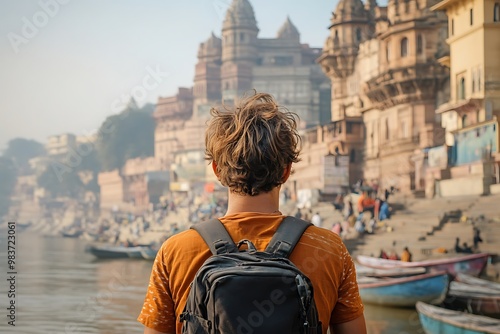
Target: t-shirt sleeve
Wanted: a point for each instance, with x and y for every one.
(158, 311)
(349, 305)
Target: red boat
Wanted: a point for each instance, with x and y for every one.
(472, 264)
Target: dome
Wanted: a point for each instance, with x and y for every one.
(348, 9)
(213, 42)
(241, 14)
(288, 30)
(212, 47)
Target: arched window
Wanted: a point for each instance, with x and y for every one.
(404, 47)
(358, 34)
(496, 12)
(452, 27)
(420, 45)
(388, 51)
(464, 121)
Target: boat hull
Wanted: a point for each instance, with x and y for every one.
(474, 295)
(406, 292)
(435, 320)
(472, 264)
(115, 252)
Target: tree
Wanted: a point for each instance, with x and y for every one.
(21, 150)
(125, 136)
(65, 184)
(8, 175)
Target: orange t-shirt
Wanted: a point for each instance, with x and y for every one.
(319, 254)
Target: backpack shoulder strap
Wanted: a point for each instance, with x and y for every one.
(216, 236)
(287, 236)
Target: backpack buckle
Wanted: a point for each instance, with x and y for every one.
(223, 247)
(282, 249)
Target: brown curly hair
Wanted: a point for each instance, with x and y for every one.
(252, 144)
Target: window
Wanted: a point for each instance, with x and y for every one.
(496, 12)
(404, 130)
(358, 34)
(387, 51)
(348, 128)
(478, 116)
(242, 37)
(420, 46)
(352, 157)
(452, 25)
(461, 89)
(404, 47)
(471, 16)
(387, 129)
(464, 121)
(283, 60)
(473, 81)
(479, 79)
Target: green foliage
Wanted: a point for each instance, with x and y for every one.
(8, 175)
(125, 136)
(21, 150)
(61, 182)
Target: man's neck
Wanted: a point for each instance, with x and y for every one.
(263, 203)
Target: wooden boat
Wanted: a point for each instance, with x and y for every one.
(405, 291)
(437, 320)
(471, 280)
(72, 233)
(149, 253)
(472, 264)
(115, 252)
(363, 271)
(474, 299)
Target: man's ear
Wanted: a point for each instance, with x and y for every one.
(214, 168)
(286, 173)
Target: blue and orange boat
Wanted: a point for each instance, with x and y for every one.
(405, 291)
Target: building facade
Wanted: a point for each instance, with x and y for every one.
(471, 114)
(386, 83)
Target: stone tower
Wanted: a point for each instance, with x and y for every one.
(239, 50)
(289, 31)
(207, 80)
(351, 24)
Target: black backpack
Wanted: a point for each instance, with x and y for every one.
(243, 292)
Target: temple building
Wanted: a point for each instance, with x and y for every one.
(229, 67)
(386, 83)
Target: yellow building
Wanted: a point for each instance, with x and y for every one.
(471, 115)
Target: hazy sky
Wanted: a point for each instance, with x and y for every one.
(65, 67)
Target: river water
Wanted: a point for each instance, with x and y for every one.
(62, 289)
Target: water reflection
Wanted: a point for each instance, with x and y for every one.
(62, 289)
